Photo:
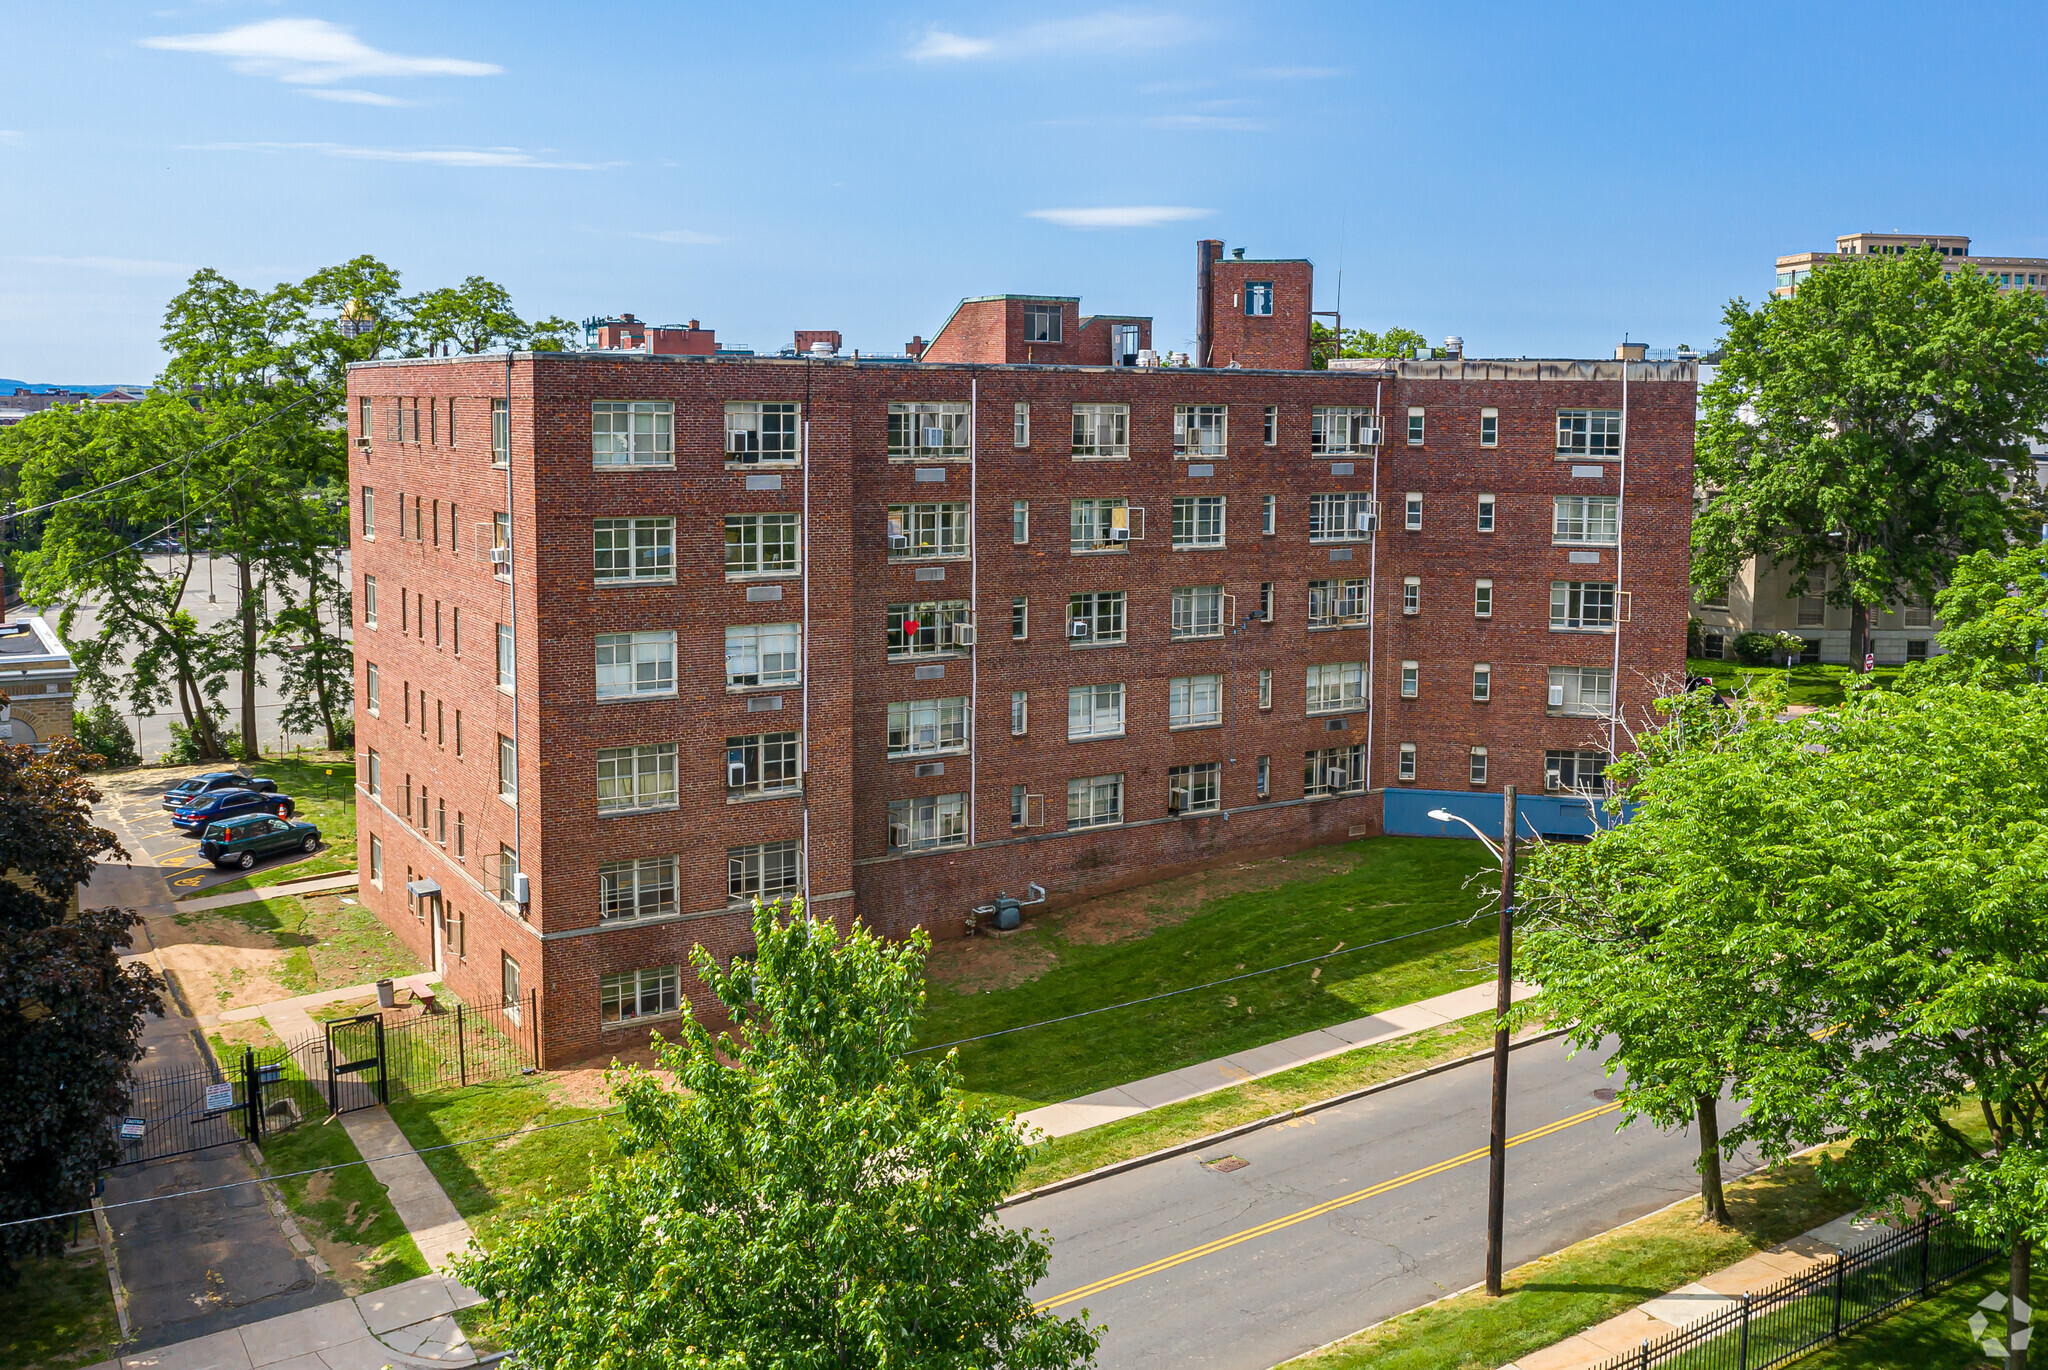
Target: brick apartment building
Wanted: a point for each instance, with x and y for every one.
(641, 636)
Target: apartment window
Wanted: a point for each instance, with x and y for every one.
(1020, 806)
(1582, 605)
(1095, 711)
(369, 601)
(1406, 770)
(455, 629)
(762, 433)
(1266, 600)
(1916, 649)
(458, 732)
(1489, 427)
(1482, 682)
(1197, 611)
(766, 763)
(1102, 430)
(1099, 525)
(1096, 617)
(1338, 603)
(1020, 426)
(1041, 323)
(1339, 518)
(1338, 431)
(1581, 690)
(633, 549)
(501, 433)
(505, 681)
(1194, 701)
(508, 770)
(1264, 773)
(369, 512)
(928, 821)
(763, 654)
(461, 828)
(628, 891)
(501, 542)
(1197, 521)
(928, 432)
(1200, 430)
(1020, 713)
(1411, 594)
(1411, 679)
(1095, 801)
(376, 775)
(1258, 298)
(508, 985)
(1574, 770)
(363, 418)
(1272, 425)
(370, 686)
(631, 665)
(639, 994)
(1020, 618)
(922, 727)
(1916, 616)
(632, 432)
(1412, 519)
(1812, 611)
(760, 544)
(1334, 770)
(765, 870)
(923, 532)
(440, 723)
(1585, 519)
(508, 866)
(1020, 521)
(1486, 513)
(1194, 789)
(1337, 687)
(1269, 514)
(409, 420)
(434, 422)
(1415, 415)
(1265, 689)
(928, 628)
(1717, 598)
(633, 778)
(1478, 765)
(1482, 599)
(1589, 432)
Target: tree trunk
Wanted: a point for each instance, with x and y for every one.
(322, 695)
(1713, 1203)
(1859, 633)
(249, 749)
(2018, 1290)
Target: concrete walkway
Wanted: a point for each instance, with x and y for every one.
(1703, 1298)
(318, 884)
(297, 1013)
(405, 1327)
(417, 1197)
(1156, 1091)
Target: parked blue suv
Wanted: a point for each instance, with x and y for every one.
(211, 808)
(185, 791)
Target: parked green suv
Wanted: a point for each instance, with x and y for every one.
(240, 841)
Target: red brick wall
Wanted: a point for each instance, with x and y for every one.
(1276, 341)
(992, 332)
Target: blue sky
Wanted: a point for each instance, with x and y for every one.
(1540, 179)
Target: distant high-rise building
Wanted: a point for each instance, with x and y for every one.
(2011, 273)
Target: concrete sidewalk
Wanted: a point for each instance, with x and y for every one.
(406, 1327)
(287, 1014)
(1156, 1091)
(318, 884)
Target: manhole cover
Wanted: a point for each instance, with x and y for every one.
(1604, 1095)
(1223, 1165)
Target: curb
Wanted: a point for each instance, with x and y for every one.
(1231, 1134)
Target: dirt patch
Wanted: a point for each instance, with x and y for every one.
(1139, 912)
(214, 979)
(345, 1259)
(970, 965)
(212, 930)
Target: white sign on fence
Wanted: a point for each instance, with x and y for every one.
(220, 1098)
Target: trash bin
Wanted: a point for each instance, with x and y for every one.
(387, 994)
(1009, 914)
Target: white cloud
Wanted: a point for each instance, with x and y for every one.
(12, 135)
(1216, 121)
(442, 156)
(344, 96)
(114, 266)
(1297, 73)
(1119, 216)
(312, 52)
(675, 235)
(1110, 31)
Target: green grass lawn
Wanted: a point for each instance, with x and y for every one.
(1197, 929)
(1820, 685)
(330, 939)
(495, 1181)
(326, 801)
(60, 1315)
(344, 1212)
(1932, 1335)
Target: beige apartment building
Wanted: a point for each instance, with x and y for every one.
(2012, 273)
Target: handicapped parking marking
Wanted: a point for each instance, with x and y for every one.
(192, 881)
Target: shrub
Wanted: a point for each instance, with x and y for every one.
(1755, 649)
(184, 748)
(103, 731)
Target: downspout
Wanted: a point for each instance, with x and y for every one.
(973, 602)
(804, 574)
(1620, 510)
(1372, 598)
(512, 622)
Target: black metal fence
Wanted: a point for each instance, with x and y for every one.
(1830, 1301)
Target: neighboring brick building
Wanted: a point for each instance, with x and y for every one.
(902, 636)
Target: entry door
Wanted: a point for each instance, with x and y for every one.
(439, 930)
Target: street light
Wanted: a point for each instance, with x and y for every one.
(1497, 1149)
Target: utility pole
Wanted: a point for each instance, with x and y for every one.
(1497, 1155)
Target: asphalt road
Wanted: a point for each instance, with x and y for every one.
(1348, 1216)
(152, 841)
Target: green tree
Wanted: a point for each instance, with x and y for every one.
(1994, 618)
(554, 334)
(475, 316)
(104, 733)
(810, 1197)
(70, 1009)
(1403, 344)
(1864, 432)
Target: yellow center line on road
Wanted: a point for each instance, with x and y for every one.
(1314, 1211)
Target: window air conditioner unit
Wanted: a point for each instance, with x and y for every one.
(1078, 628)
(1120, 535)
(362, 442)
(501, 556)
(899, 834)
(1556, 702)
(522, 889)
(1176, 801)
(899, 542)
(1368, 523)
(735, 771)
(934, 437)
(1552, 780)
(928, 737)
(1337, 778)
(963, 635)
(1369, 435)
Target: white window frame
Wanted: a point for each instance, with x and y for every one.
(1488, 512)
(1201, 783)
(1020, 425)
(937, 625)
(1194, 701)
(1476, 765)
(1343, 510)
(763, 656)
(1198, 522)
(1198, 612)
(508, 770)
(773, 764)
(1020, 522)
(1482, 598)
(1106, 614)
(636, 665)
(632, 433)
(929, 430)
(1262, 783)
(1412, 511)
(629, 550)
(1337, 687)
(376, 861)
(1489, 428)
(639, 778)
(1095, 711)
(370, 690)
(927, 727)
(1416, 425)
(1589, 434)
(750, 538)
(1269, 515)
(1201, 431)
(1095, 801)
(1405, 768)
(501, 432)
(1317, 765)
(637, 891)
(631, 996)
(939, 531)
(927, 822)
(1044, 323)
(1020, 618)
(1345, 603)
(747, 871)
(1585, 520)
(1411, 680)
(1341, 430)
(1411, 594)
(1482, 682)
(508, 660)
(369, 601)
(1099, 519)
(1571, 601)
(369, 514)
(1020, 713)
(1101, 432)
(1266, 688)
(1579, 691)
(1567, 764)
(763, 433)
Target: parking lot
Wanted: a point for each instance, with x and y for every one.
(137, 796)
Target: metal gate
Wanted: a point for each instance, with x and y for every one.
(171, 1112)
(355, 1063)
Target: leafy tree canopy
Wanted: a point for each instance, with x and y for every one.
(1402, 343)
(1994, 619)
